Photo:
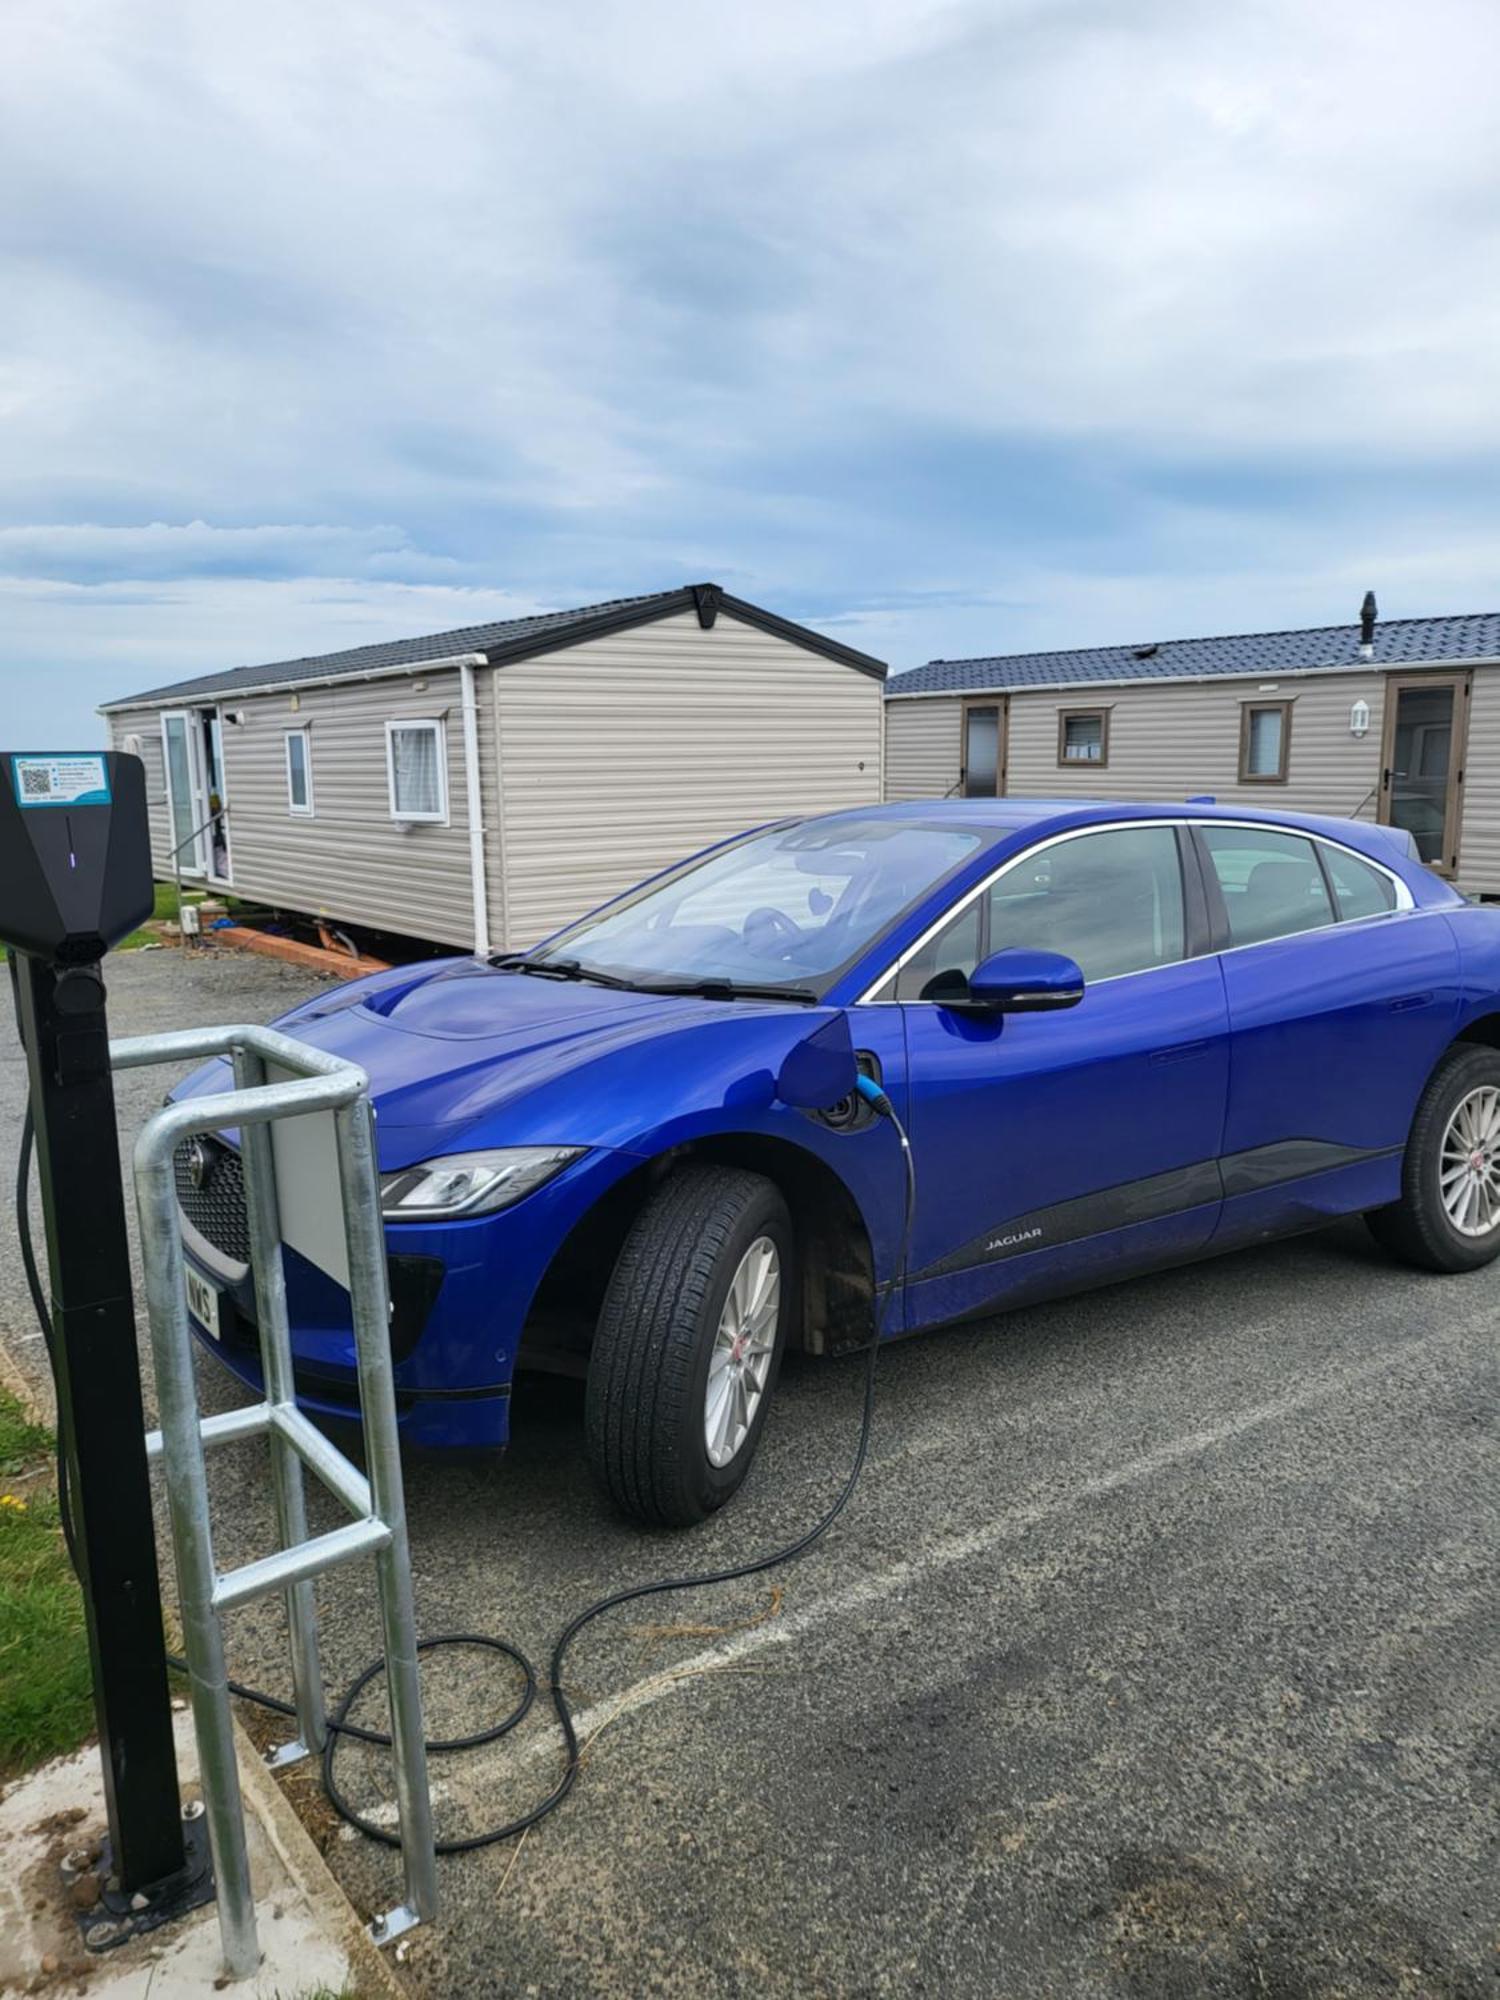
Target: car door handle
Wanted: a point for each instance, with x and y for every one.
(1409, 1000)
(1181, 1052)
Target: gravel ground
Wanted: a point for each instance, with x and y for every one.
(1156, 1655)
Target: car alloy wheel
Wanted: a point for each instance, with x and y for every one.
(1469, 1162)
(740, 1364)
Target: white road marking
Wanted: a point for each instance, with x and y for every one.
(387, 1812)
(955, 1549)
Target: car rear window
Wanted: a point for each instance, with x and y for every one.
(1360, 889)
(1271, 882)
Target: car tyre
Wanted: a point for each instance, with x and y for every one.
(1457, 1120)
(667, 1320)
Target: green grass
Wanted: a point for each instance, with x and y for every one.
(23, 1445)
(46, 1695)
(164, 911)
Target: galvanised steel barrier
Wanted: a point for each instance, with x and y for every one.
(319, 1083)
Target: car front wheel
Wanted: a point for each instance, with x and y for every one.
(689, 1343)
(1448, 1217)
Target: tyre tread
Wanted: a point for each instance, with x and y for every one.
(647, 1338)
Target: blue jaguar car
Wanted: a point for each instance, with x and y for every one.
(1119, 1036)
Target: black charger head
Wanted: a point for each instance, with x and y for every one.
(75, 852)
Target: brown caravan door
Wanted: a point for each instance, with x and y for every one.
(1422, 763)
(981, 773)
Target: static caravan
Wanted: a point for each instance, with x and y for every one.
(1395, 720)
(481, 787)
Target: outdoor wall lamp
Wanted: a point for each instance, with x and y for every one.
(1359, 718)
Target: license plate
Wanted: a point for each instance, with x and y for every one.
(203, 1302)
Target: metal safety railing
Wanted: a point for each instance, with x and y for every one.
(315, 1083)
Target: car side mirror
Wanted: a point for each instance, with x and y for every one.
(1019, 981)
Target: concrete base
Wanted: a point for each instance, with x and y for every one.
(309, 1935)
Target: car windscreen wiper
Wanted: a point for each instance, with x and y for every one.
(560, 968)
(731, 989)
(707, 988)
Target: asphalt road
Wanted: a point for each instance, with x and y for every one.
(1157, 1654)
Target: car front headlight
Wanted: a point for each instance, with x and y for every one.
(470, 1183)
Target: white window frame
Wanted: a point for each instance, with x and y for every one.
(439, 730)
(874, 994)
(302, 811)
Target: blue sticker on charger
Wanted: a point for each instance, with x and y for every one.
(61, 778)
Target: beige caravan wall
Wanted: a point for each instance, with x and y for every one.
(923, 747)
(622, 755)
(348, 860)
(144, 724)
(1165, 742)
(1479, 832)
(1175, 739)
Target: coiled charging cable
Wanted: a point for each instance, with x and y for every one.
(339, 1725)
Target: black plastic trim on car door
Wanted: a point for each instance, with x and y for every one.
(1153, 1199)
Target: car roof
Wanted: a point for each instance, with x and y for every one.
(1013, 813)
(1008, 816)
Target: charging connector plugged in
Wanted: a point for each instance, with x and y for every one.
(874, 1096)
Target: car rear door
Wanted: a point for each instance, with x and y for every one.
(1341, 999)
(1065, 1149)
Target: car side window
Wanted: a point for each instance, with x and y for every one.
(1359, 889)
(1112, 901)
(1271, 882)
(944, 963)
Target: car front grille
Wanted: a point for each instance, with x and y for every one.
(211, 1194)
(212, 1200)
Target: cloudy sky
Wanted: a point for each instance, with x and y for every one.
(947, 328)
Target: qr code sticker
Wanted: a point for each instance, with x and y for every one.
(36, 781)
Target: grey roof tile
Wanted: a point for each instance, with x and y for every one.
(1319, 649)
(508, 635)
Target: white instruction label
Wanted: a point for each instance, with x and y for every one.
(65, 778)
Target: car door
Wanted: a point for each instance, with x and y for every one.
(1066, 1149)
(1342, 995)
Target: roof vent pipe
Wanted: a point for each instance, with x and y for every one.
(1367, 615)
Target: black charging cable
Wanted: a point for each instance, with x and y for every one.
(339, 1725)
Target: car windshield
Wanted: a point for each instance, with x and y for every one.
(785, 908)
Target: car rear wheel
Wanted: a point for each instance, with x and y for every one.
(689, 1344)
(1448, 1217)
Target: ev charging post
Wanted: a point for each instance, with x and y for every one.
(75, 878)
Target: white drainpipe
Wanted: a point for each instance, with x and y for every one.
(476, 818)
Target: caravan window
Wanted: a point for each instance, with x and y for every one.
(299, 797)
(417, 769)
(1265, 729)
(1083, 736)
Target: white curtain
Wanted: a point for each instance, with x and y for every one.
(415, 756)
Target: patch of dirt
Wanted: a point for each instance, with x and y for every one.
(301, 1783)
(55, 1898)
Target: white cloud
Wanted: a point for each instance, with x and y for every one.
(70, 646)
(324, 229)
(84, 549)
(593, 298)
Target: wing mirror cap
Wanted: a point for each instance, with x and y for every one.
(1020, 981)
